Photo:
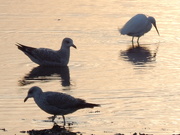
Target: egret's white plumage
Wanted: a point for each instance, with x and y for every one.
(49, 57)
(57, 103)
(138, 25)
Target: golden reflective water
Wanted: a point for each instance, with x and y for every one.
(138, 88)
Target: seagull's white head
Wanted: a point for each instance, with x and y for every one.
(34, 91)
(68, 42)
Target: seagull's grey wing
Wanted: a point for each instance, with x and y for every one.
(46, 55)
(62, 100)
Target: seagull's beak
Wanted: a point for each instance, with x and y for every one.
(156, 28)
(74, 46)
(26, 99)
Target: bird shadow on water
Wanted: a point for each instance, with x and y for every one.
(139, 55)
(55, 130)
(47, 74)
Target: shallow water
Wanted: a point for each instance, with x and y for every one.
(138, 88)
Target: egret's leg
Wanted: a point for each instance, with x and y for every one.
(138, 41)
(132, 41)
(64, 120)
(53, 118)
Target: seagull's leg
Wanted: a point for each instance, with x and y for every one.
(64, 120)
(53, 118)
(55, 123)
(138, 41)
(132, 41)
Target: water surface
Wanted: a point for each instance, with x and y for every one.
(138, 88)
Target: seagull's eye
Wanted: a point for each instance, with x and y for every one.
(67, 41)
(30, 92)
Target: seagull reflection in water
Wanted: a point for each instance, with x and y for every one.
(46, 74)
(139, 55)
(55, 130)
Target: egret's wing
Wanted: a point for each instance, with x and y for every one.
(134, 25)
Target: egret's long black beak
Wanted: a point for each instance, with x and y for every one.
(74, 46)
(26, 99)
(156, 28)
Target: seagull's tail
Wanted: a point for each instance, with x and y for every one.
(83, 104)
(91, 105)
(20, 46)
(24, 48)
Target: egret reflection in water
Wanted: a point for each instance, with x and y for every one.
(55, 130)
(46, 74)
(139, 55)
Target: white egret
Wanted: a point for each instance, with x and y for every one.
(138, 25)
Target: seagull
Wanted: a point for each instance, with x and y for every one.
(138, 25)
(49, 57)
(57, 103)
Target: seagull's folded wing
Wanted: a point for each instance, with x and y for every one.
(61, 100)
